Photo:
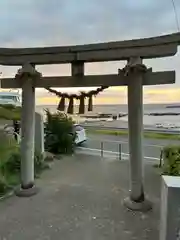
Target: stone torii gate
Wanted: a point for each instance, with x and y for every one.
(134, 75)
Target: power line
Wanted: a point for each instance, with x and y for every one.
(176, 15)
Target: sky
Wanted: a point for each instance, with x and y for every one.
(37, 23)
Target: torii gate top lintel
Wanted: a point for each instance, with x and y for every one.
(161, 46)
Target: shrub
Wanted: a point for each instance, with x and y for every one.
(10, 112)
(10, 162)
(171, 160)
(8, 148)
(39, 163)
(8, 106)
(3, 186)
(12, 165)
(59, 133)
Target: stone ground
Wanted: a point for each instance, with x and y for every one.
(81, 198)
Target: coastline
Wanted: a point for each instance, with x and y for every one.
(154, 114)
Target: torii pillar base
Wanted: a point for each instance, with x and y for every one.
(21, 192)
(143, 206)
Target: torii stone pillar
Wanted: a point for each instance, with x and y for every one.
(136, 200)
(27, 75)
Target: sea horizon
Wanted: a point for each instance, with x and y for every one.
(116, 109)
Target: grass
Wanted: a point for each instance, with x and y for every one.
(154, 135)
(8, 149)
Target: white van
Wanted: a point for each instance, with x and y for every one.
(10, 98)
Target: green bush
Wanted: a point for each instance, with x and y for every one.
(8, 148)
(10, 112)
(171, 160)
(3, 186)
(10, 162)
(39, 163)
(8, 106)
(12, 165)
(59, 133)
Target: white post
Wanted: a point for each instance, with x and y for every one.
(136, 201)
(39, 133)
(170, 208)
(27, 75)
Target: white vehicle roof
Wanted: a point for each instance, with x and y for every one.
(9, 94)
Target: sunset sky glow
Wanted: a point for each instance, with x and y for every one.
(35, 23)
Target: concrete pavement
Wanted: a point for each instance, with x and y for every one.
(152, 147)
(81, 198)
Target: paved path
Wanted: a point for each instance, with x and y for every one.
(152, 147)
(81, 198)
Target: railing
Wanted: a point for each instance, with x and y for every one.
(102, 153)
(119, 150)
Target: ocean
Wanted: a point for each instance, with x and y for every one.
(123, 108)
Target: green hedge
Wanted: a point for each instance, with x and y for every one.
(171, 160)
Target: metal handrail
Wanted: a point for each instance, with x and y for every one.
(118, 153)
(122, 142)
(119, 150)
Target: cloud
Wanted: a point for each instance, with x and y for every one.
(33, 23)
(83, 21)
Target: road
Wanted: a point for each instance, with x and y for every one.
(152, 147)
